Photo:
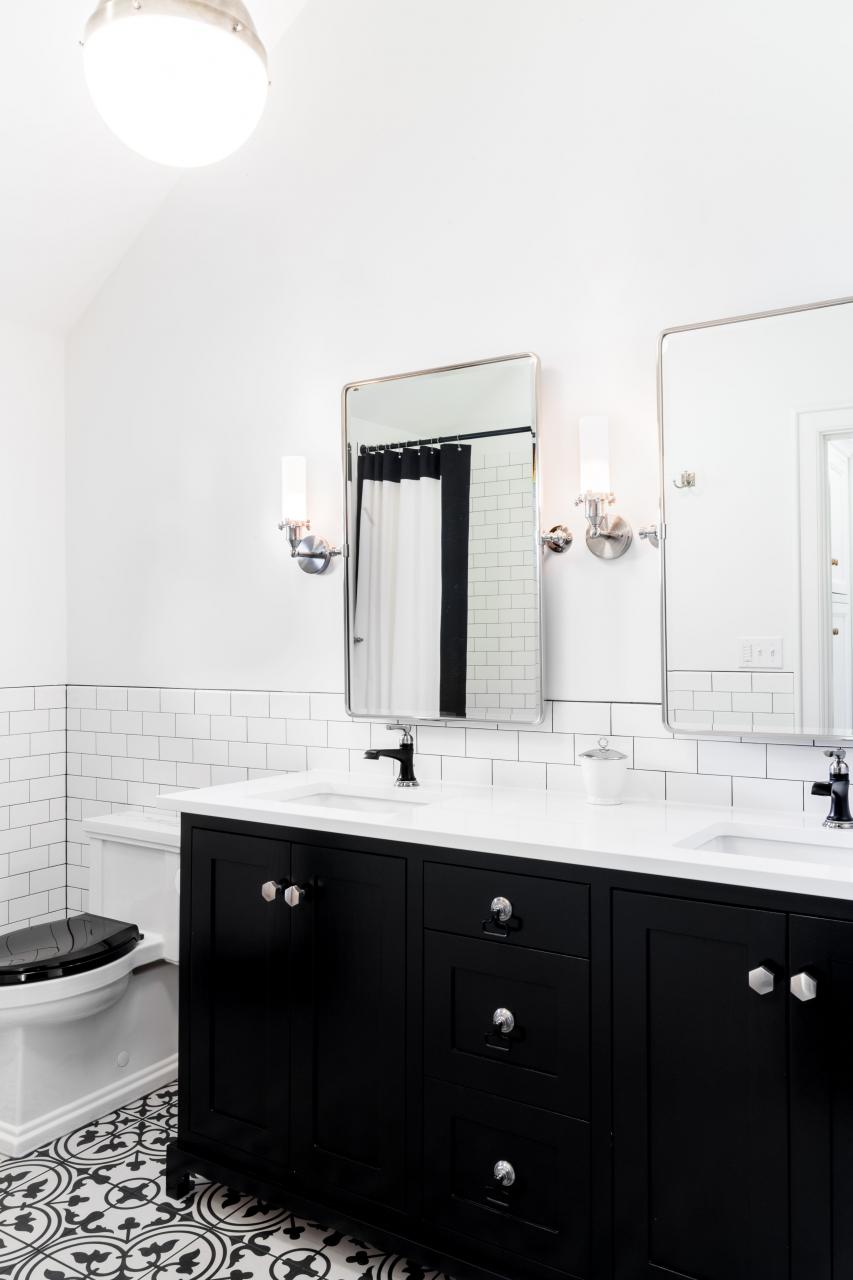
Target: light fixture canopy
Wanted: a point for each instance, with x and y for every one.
(182, 82)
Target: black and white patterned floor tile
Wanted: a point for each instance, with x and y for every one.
(93, 1206)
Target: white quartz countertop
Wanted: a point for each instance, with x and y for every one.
(791, 852)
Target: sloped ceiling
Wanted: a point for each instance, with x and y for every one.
(72, 197)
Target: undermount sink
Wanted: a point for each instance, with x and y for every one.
(831, 848)
(352, 799)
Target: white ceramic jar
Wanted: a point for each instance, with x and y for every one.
(604, 771)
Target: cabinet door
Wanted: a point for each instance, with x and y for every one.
(822, 1100)
(349, 1025)
(700, 1092)
(234, 994)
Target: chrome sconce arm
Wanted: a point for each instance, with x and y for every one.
(608, 537)
(313, 552)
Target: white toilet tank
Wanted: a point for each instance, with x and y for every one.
(134, 873)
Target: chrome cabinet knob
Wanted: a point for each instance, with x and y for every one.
(804, 986)
(762, 980)
(503, 1173)
(504, 1021)
(501, 909)
(294, 896)
(271, 890)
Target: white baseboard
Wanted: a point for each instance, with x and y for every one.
(19, 1140)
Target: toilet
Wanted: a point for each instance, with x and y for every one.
(89, 1004)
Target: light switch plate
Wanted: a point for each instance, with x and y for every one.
(760, 652)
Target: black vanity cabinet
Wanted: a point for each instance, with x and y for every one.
(293, 1016)
(700, 1090)
(732, 1091)
(235, 1032)
(347, 1009)
(510, 1069)
(821, 1031)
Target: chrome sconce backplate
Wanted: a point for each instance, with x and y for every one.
(313, 552)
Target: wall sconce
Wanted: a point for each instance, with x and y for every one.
(607, 536)
(313, 552)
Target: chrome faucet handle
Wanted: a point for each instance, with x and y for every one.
(404, 729)
(838, 755)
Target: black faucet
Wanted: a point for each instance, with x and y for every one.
(405, 753)
(838, 788)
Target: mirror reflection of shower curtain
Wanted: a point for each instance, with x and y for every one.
(410, 620)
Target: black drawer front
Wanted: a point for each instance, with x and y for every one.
(547, 914)
(545, 1215)
(544, 1059)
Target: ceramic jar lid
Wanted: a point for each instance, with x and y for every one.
(603, 752)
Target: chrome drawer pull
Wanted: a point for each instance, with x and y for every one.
(762, 980)
(804, 986)
(272, 890)
(501, 910)
(504, 1021)
(503, 1173)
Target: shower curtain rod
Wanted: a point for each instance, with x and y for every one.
(470, 435)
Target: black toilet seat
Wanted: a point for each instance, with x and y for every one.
(58, 948)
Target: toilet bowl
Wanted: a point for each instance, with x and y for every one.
(88, 1005)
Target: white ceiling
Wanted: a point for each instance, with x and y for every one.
(72, 197)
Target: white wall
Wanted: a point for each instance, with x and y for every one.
(32, 507)
(430, 184)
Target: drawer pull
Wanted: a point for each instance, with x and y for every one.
(504, 1021)
(294, 896)
(500, 912)
(503, 1173)
(271, 890)
(762, 980)
(804, 986)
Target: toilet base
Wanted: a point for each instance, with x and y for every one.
(58, 1075)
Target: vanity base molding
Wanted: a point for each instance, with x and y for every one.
(517, 1070)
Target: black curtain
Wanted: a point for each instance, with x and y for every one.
(455, 511)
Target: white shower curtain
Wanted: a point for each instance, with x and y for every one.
(396, 652)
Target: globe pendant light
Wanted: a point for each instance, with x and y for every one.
(183, 82)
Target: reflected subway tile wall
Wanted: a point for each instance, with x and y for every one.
(733, 701)
(503, 614)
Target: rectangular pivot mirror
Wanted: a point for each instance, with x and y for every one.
(757, 477)
(443, 557)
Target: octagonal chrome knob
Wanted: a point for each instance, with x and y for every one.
(804, 986)
(271, 890)
(762, 980)
(503, 1173)
(504, 1021)
(294, 896)
(501, 909)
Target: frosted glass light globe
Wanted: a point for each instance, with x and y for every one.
(182, 82)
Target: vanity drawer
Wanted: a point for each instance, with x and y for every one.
(544, 1215)
(550, 915)
(544, 1058)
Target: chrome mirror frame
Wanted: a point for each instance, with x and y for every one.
(350, 387)
(688, 480)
